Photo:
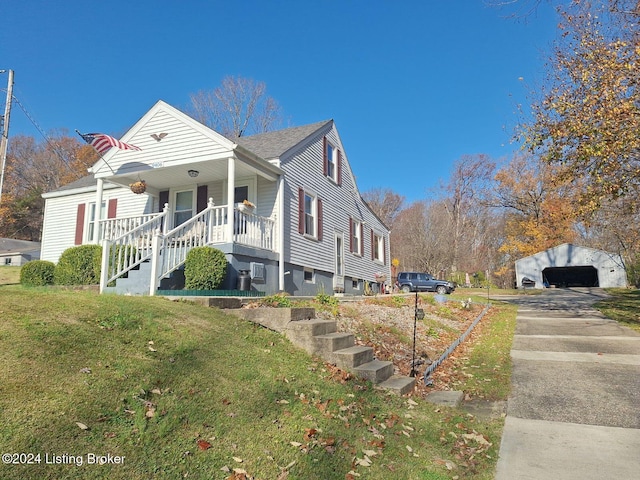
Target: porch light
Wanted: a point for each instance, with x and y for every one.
(193, 173)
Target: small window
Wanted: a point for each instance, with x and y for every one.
(355, 284)
(332, 170)
(309, 214)
(377, 246)
(309, 275)
(356, 237)
(183, 209)
(91, 220)
(7, 261)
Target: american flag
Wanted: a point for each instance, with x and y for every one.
(102, 143)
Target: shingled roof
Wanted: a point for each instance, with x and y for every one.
(273, 144)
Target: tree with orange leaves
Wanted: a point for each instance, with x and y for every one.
(33, 169)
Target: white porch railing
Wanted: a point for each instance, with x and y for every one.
(124, 252)
(111, 228)
(170, 250)
(167, 251)
(255, 231)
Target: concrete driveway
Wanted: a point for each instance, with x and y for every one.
(574, 409)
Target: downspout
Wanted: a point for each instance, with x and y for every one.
(280, 233)
(98, 212)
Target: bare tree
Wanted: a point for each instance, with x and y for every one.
(239, 106)
(385, 203)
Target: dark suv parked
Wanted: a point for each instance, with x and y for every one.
(423, 282)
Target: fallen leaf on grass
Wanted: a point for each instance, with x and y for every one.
(82, 426)
(237, 459)
(309, 433)
(204, 445)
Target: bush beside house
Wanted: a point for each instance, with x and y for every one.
(79, 266)
(204, 269)
(37, 273)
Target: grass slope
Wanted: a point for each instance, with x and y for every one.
(176, 390)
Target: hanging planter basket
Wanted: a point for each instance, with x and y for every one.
(138, 187)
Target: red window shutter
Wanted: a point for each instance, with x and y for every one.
(163, 197)
(373, 245)
(301, 211)
(319, 205)
(79, 224)
(325, 159)
(339, 167)
(201, 198)
(384, 250)
(351, 234)
(112, 208)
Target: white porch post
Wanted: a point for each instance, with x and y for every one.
(98, 214)
(280, 229)
(231, 187)
(155, 259)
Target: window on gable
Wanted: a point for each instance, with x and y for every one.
(332, 161)
(377, 247)
(355, 229)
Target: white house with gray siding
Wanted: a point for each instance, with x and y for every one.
(283, 206)
(570, 265)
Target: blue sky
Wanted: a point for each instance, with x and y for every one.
(412, 86)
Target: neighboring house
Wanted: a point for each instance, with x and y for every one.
(303, 229)
(570, 265)
(18, 252)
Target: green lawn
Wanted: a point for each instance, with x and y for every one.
(175, 390)
(622, 306)
(9, 275)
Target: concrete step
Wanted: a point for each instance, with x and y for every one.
(399, 384)
(313, 326)
(331, 342)
(353, 356)
(376, 371)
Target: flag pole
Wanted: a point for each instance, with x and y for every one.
(99, 154)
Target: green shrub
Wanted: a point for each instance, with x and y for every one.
(278, 300)
(37, 273)
(204, 268)
(77, 266)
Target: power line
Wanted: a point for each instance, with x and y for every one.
(54, 148)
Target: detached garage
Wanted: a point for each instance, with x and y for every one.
(568, 265)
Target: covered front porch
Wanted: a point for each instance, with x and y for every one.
(218, 202)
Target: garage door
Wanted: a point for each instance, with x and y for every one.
(586, 276)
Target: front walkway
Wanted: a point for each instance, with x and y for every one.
(574, 410)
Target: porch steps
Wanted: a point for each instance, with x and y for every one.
(321, 338)
(137, 282)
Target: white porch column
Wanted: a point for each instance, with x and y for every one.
(231, 187)
(98, 214)
(280, 229)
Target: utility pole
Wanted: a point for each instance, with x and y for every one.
(4, 139)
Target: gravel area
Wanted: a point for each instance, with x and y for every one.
(387, 325)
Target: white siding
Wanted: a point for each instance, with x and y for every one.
(187, 142)
(60, 213)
